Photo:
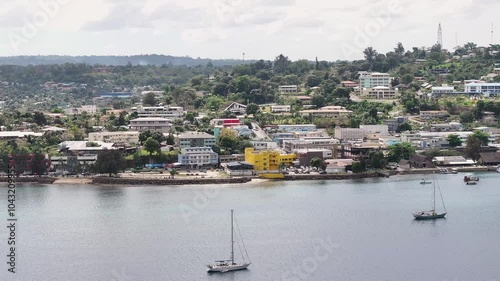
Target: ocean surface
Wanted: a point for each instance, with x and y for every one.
(316, 230)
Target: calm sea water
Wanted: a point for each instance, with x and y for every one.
(323, 230)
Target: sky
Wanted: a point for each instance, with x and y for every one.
(262, 29)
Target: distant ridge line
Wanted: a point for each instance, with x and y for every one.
(157, 60)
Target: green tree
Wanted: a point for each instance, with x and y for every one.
(39, 119)
(143, 136)
(316, 162)
(404, 127)
(400, 151)
(318, 101)
(473, 147)
(109, 162)
(358, 167)
(228, 139)
(377, 159)
(482, 136)
(170, 139)
(252, 108)
(173, 173)
(281, 64)
(454, 140)
(150, 99)
(312, 81)
(151, 145)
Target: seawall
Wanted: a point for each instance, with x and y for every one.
(42, 180)
(132, 181)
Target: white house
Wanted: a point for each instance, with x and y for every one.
(236, 108)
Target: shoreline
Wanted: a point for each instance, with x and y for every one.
(236, 180)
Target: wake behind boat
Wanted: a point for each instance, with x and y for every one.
(432, 214)
(229, 265)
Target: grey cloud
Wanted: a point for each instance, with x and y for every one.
(122, 16)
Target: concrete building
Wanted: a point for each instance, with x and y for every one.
(281, 108)
(393, 124)
(433, 114)
(167, 112)
(295, 144)
(89, 109)
(197, 157)
(375, 129)
(152, 124)
(195, 139)
(374, 79)
(114, 137)
(449, 127)
(13, 135)
(304, 156)
(265, 145)
(380, 93)
(231, 158)
(286, 89)
(443, 90)
(349, 134)
(85, 148)
(239, 168)
(268, 160)
(297, 128)
(334, 112)
(482, 88)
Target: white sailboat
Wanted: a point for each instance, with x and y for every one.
(229, 265)
(432, 214)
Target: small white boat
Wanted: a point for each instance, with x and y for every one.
(454, 171)
(498, 169)
(223, 266)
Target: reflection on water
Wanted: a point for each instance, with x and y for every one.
(93, 233)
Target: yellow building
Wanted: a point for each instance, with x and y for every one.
(268, 160)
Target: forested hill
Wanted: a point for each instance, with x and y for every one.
(157, 60)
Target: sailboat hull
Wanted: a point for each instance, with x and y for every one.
(422, 217)
(227, 268)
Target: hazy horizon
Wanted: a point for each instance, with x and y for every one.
(225, 29)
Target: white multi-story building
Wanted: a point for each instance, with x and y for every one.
(443, 90)
(198, 157)
(168, 112)
(288, 89)
(374, 79)
(89, 109)
(195, 139)
(281, 108)
(347, 134)
(482, 88)
(114, 137)
(380, 93)
(150, 124)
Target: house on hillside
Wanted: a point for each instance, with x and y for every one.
(236, 108)
(420, 161)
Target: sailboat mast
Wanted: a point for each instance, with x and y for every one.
(434, 199)
(232, 239)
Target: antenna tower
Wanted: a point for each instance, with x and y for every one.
(440, 36)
